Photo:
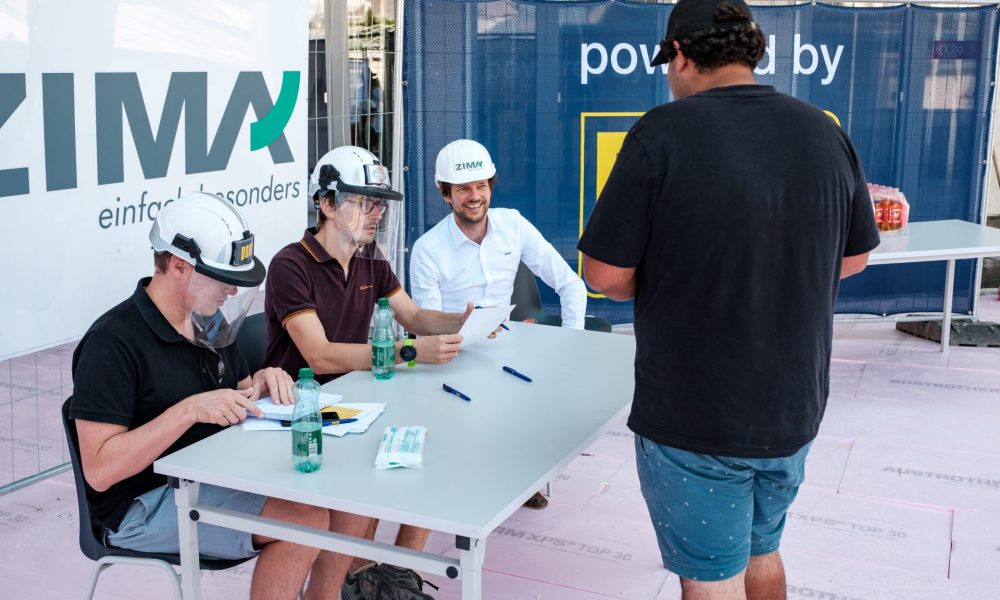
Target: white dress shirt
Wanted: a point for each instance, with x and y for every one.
(448, 270)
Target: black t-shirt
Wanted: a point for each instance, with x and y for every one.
(735, 206)
(129, 368)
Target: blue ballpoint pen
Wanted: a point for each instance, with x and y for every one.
(452, 390)
(516, 374)
(325, 423)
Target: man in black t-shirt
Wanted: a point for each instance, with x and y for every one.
(730, 216)
(159, 372)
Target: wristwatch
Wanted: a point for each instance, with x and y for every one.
(408, 353)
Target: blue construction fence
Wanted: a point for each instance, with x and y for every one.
(550, 88)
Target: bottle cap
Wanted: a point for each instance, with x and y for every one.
(383, 302)
(305, 373)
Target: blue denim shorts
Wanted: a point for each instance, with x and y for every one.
(711, 513)
(150, 525)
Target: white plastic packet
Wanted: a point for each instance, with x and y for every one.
(401, 447)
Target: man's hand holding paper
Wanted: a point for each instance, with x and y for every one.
(484, 322)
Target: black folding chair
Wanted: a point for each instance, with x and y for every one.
(93, 547)
(251, 339)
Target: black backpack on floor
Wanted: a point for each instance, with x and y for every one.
(384, 582)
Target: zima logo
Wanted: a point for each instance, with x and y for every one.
(118, 97)
(469, 165)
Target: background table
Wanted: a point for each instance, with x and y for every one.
(482, 459)
(939, 240)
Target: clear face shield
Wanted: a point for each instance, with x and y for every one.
(223, 285)
(217, 309)
(368, 226)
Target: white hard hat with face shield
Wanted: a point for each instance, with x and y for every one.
(463, 161)
(368, 209)
(210, 234)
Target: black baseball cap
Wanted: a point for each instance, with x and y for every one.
(691, 15)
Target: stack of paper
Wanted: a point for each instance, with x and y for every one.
(284, 411)
(274, 414)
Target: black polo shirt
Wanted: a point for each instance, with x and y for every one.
(304, 278)
(735, 206)
(129, 368)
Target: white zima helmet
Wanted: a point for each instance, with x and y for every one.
(463, 161)
(209, 233)
(353, 170)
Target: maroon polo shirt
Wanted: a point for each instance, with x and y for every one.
(304, 278)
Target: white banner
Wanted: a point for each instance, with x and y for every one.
(109, 109)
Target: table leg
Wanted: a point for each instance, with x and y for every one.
(187, 529)
(949, 292)
(471, 554)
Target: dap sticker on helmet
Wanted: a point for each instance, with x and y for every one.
(243, 251)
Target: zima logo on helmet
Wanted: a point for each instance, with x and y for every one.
(469, 165)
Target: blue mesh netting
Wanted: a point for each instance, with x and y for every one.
(912, 86)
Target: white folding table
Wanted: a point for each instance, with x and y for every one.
(482, 458)
(939, 240)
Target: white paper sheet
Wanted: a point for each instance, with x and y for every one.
(482, 322)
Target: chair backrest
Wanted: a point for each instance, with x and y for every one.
(90, 542)
(252, 341)
(529, 303)
(526, 297)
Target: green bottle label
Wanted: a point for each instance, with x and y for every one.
(307, 443)
(383, 354)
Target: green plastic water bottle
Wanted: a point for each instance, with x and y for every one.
(383, 342)
(307, 424)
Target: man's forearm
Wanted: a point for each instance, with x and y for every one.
(617, 283)
(341, 358)
(433, 322)
(852, 265)
(129, 452)
(619, 290)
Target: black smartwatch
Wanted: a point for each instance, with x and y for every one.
(408, 353)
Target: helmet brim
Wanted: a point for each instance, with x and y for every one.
(364, 190)
(252, 277)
